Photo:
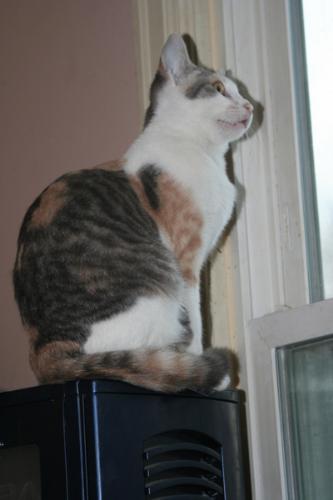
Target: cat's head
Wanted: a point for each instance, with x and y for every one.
(195, 100)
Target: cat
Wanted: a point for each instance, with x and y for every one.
(107, 271)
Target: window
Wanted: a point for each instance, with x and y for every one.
(305, 383)
(312, 41)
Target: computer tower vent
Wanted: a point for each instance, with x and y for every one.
(183, 465)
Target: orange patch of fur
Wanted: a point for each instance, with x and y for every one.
(113, 165)
(153, 373)
(44, 362)
(179, 218)
(152, 363)
(52, 200)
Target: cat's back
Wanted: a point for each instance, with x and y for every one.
(79, 198)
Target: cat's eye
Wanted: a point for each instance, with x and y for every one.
(219, 87)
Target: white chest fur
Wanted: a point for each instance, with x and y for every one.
(201, 174)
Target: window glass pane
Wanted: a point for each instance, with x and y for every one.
(305, 377)
(318, 35)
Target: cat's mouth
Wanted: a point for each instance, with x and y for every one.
(233, 125)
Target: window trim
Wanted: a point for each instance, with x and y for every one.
(270, 226)
(267, 334)
(302, 111)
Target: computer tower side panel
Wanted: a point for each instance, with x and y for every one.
(127, 429)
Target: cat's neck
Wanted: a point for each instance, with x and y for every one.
(167, 146)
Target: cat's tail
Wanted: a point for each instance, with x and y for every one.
(166, 370)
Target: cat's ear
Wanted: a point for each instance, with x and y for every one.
(175, 60)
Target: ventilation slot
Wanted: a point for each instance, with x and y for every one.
(183, 465)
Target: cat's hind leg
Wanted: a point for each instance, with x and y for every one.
(152, 322)
(146, 345)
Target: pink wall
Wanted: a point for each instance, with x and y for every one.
(68, 100)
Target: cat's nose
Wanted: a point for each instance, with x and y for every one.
(248, 106)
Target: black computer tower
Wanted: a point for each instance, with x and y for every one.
(107, 440)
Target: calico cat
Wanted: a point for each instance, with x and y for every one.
(108, 263)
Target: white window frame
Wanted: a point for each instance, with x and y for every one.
(267, 334)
